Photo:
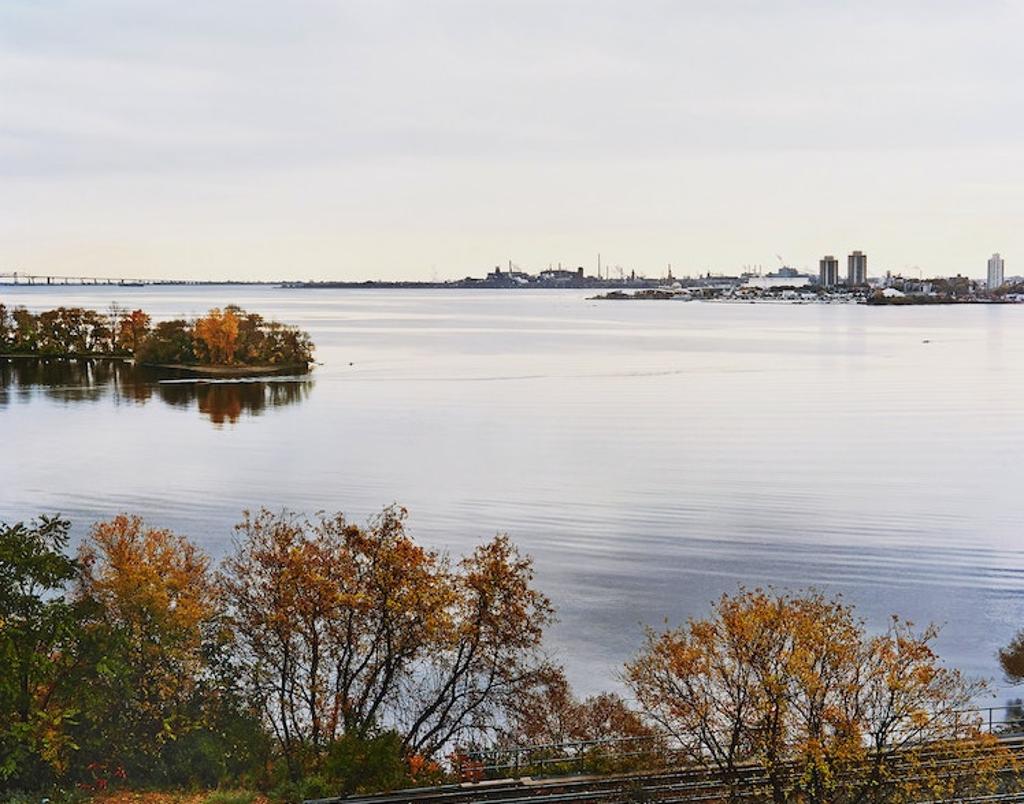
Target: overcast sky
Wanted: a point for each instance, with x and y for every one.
(416, 139)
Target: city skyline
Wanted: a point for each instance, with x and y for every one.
(827, 273)
(411, 141)
(996, 271)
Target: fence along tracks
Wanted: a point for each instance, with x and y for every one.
(682, 786)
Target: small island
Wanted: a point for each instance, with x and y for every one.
(223, 343)
(659, 294)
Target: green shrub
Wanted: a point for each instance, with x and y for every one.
(309, 787)
(286, 792)
(54, 796)
(20, 797)
(316, 787)
(230, 797)
(367, 765)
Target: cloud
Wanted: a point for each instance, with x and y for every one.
(331, 123)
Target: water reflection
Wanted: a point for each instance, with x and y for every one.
(72, 381)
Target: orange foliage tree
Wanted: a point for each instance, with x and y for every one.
(1011, 659)
(217, 332)
(156, 602)
(549, 714)
(345, 630)
(793, 684)
(132, 330)
(486, 654)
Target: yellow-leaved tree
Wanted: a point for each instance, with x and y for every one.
(788, 696)
(217, 334)
(155, 602)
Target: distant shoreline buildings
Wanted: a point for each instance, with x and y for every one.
(828, 274)
(995, 272)
(857, 269)
(750, 279)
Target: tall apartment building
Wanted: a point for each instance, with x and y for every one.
(828, 271)
(857, 269)
(995, 271)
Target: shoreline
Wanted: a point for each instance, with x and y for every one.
(855, 300)
(71, 356)
(230, 371)
(197, 371)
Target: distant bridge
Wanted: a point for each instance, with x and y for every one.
(19, 278)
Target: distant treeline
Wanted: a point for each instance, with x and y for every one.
(323, 657)
(228, 337)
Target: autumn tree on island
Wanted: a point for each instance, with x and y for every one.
(795, 685)
(216, 334)
(63, 331)
(223, 337)
(227, 337)
(170, 342)
(132, 330)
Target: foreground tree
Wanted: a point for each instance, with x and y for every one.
(348, 631)
(40, 652)
(551, 722)
(795, 685)
(115, 664)
(156, 614)
(1011, 659)
(551, 713)
(488, 651)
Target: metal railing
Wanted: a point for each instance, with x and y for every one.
(656, 750)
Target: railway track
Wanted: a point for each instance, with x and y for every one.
(680, 786)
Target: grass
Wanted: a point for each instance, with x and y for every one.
(233, 797)
(182, 797)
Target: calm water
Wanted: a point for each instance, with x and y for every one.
(649, 455)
